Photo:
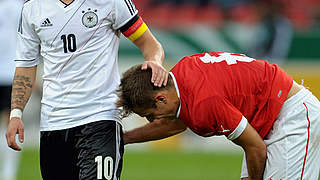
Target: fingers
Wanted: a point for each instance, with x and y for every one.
(21, 134)
(159, 74)
(15, 127)
(144, 66)
(11, 140)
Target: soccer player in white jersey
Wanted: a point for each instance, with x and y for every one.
(81, 136)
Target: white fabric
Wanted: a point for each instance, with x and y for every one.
(78, 85)
(239, 130)
(9, 20)
(178, 93)
(118, 154)
(15, 113)
(287, 142)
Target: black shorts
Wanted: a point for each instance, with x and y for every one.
(5, 102)
(88, 152)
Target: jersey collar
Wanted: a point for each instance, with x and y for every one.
(178, 93)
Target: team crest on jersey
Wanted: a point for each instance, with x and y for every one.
(90, 18)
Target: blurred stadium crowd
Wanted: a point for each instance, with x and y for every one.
(303, 14)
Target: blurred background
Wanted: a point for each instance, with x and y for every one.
(285, 32)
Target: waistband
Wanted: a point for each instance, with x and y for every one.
(294, 100)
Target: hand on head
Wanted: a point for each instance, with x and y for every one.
(159, 74)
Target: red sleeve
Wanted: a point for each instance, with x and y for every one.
(220, 116)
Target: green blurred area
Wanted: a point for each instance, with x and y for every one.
(183, 42)
(157, 165)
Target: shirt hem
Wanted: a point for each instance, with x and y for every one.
(55, 128)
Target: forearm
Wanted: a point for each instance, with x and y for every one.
(22, 86)
(256, 160)
(150, 47)
(256, 152)
(158, 129)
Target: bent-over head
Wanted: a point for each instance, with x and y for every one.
(137, 91)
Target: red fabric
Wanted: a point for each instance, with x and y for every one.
(215, 95)
(305, 157)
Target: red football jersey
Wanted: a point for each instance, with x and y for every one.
(217, 90)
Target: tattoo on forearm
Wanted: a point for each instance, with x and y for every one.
(22, 85)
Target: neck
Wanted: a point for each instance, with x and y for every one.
(67, 2)
(174, 96)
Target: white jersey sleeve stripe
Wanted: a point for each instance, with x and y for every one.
(133, 6)
(129, 5)
(124, 10)
(239, 130)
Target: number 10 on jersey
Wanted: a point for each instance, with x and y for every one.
(69, 43)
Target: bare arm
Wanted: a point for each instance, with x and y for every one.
(22, 86)
(256, 152)
(155, 130)
(21, 90)
(153, 53)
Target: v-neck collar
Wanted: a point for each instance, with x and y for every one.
(66, 6)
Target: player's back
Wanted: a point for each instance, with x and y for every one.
(254, 87)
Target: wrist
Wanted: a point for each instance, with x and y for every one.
(125, 139)
(16, 113)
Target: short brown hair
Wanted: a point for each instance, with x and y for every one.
(137, 90)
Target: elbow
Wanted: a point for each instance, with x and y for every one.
(258, 151)
(261, 149)
(263, 152)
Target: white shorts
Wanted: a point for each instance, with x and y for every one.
(293, 144)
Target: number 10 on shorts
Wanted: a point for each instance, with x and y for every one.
(105, 167)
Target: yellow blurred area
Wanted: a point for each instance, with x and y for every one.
(309, 73)
(171, 143)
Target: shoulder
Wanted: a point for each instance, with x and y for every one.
(33, 5)
(28, 3)
(212, 99)
(30, 7)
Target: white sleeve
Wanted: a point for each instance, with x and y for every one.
(124, 10)
(239, 130)
(28, 43)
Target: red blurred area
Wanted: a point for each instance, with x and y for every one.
(303, 14)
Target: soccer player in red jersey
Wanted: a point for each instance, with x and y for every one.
(253, 103)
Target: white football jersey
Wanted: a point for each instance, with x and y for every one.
(78, 44)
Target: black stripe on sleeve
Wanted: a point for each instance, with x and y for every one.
(132, 6)
(129, 7)
(20, 22)
(129, 23)
(24, 60)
